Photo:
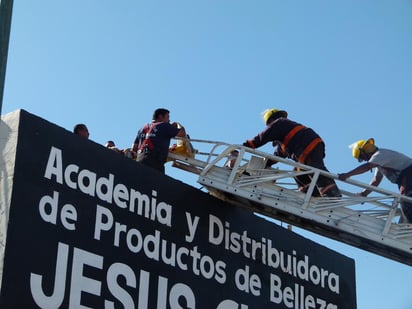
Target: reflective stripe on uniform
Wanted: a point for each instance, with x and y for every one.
(308, 149)
(289, 136)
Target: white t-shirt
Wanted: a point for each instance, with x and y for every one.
(390, 163)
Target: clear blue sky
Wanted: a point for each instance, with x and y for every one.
(342, 67)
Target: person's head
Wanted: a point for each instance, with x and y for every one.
(272, 114)
(161, 115)
(81, 130)
(362, 150)
(232, 158)
(110, 144)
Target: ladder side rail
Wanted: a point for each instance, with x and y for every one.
(291, 163)
(286, 162)
(325, 173)
(243, 151)
(213, 145)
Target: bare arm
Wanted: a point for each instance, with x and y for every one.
(374, 182)
(360, 170)
(356, 171)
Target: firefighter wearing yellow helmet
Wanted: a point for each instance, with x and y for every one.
(362, 148)
(395, 166)
(299, 143)
(273, 113)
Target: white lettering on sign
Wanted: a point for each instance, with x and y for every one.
(167, 296)
(106, 189)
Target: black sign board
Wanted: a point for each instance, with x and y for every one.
(89, 228)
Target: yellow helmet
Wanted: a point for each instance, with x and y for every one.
(363, 146)
(270, 112)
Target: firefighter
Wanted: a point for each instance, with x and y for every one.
(153, 140)
(395, 166)
(299, 143)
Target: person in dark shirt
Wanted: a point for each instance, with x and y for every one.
(299, 143)
(153, 140)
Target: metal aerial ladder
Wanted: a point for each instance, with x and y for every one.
(369, 223)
